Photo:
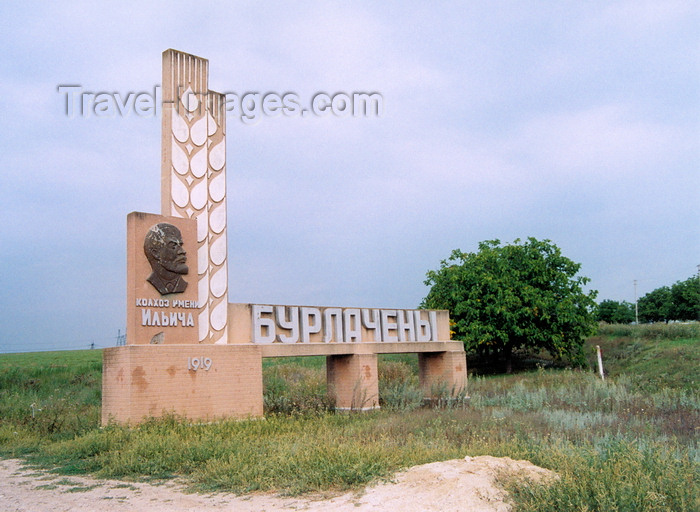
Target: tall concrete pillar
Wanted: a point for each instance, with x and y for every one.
(193, 178)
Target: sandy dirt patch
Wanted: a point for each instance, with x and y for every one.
(463, 484)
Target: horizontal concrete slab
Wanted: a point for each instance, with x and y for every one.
(335, 349)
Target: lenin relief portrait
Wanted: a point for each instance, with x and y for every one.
(163, 248)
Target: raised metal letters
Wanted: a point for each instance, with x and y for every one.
(294, 324)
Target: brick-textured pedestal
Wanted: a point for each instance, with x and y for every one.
(352, 381)
(142, 381)
(442, 370)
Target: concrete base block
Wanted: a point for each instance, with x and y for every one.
(198, 382)
(352, 381)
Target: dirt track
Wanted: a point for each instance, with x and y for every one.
(463, 484)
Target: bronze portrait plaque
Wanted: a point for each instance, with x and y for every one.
(164, 250)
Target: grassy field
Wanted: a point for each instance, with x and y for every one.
(628, 444)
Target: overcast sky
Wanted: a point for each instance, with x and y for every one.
(578, 122)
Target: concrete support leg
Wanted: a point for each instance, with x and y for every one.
(442, 371)
(353, 382)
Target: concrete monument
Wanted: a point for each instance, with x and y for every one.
(191, 353)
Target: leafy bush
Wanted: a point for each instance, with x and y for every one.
(516, 296)
(614, 312)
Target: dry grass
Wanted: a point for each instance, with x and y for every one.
(629, 443)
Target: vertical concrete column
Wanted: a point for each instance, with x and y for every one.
(193, 178)
(352, 381)
(446, 370)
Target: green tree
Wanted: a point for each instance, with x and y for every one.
(655, 306)
(520, 295)
(685, 300)
(614, 312)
